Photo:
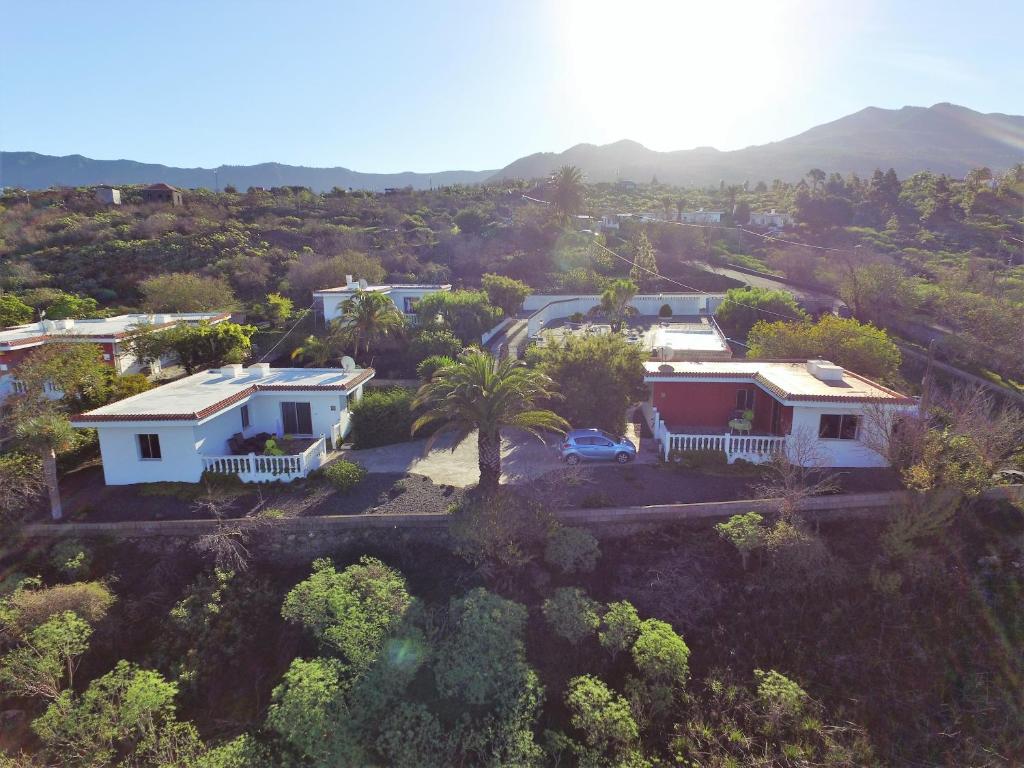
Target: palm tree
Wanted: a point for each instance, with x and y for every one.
(817, 177)
(319, 350)
(368, 317)
(45, 434)
(567, 195)
(484, 394)
(615, 302)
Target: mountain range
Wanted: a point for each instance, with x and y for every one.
(944, 138)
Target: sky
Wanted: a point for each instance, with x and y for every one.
(389, 86)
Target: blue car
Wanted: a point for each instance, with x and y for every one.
(582, 444)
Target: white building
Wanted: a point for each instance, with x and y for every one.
(700, 216)
(771, 219)
(201, 423)
(403, 295)
(109, 333)
(815, 411)
(108, 195)
(549, 309)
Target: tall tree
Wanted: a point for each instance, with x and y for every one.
(505, 292)
(185, 292)
(483, 394)
(368, 317)
(644, 271)
(567, 191)
(45, 434)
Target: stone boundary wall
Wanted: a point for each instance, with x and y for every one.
(603, 521)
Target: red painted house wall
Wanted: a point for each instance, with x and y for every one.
(712, 404)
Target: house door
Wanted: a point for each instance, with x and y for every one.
(297, 418)
(776, 417)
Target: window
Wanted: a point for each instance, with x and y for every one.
(149, 447)
(744, 399)
(297, 418)
(834, 427)
(245, 417)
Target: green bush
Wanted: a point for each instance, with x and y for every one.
(343, 475)
(698, 459)
(571, 550)
(665, 311)
(71, 558)
(382, 417)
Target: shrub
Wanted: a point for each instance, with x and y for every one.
(571, 550)
(698, 459)
(620, 626)
(71, 558)
(660, 654)
(571, 614)
(745, 532)
(665, 311)
(604, 719)
(431, 365)
(382, 417)
(596, 500)
(433, 341)
(30, 608)
(344, 475)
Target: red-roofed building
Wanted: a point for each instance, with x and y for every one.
(752, 409)
(161, 193)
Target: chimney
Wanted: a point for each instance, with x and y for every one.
(349, 282)
(232, 371)
(260, 370)
(824, 370)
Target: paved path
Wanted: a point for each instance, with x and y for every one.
(523, 458)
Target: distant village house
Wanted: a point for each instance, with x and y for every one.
(161, 193)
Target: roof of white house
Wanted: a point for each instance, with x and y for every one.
(702, 336)
(203, 394)
(812, 380)
(352, 286)
(98, 328)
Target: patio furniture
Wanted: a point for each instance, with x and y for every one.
(744, 423)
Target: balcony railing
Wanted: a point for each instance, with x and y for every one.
(254, 468)
(753, 448)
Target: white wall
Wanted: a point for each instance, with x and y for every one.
(122, 464)
(265, 410)
(836, 453)
(645, 304)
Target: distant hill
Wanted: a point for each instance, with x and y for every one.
(944, 138)
(30, 170)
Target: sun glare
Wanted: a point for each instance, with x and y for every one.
(655, 70)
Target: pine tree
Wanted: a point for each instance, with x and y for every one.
(645, 268)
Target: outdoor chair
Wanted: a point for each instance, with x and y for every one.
(744, 423)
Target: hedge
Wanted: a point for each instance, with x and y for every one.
(382, 417)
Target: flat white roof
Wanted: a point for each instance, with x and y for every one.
(101, 327)
(789, 379)
(203, 394)
(386, 288)
(701, 337)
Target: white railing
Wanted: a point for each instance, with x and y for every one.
(264, 469)
(753, 448)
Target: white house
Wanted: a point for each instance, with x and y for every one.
(202, 422)
(700, 216)
(403, 295)
(108, 195)
(109, 333)
(818, 412)
(771, 219)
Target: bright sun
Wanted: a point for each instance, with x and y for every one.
(668, 73)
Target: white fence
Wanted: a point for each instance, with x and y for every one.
(548, 308)
(264, 469)
(753, 448)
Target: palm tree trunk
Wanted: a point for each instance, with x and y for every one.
(50, 475)
(489, 450)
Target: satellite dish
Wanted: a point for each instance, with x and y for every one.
(666, 369)
(348, 364)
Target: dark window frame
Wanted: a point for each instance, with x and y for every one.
(246, 422)
(149, 446)
(297, 410)
(839, 426)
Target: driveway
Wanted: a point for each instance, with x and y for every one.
(524, 458)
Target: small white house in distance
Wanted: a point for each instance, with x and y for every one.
(771, 219)
(403, 295)
(700, 216)
(218, 421)
(818, 413)
(108, 195)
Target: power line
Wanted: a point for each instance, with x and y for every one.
(302, 316)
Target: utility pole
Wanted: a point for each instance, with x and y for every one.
(926, 380)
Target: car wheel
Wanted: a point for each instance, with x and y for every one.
(572, 459)
(622, 457)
